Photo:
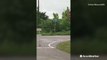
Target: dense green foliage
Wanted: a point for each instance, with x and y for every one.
(41, 16)
(56, 25)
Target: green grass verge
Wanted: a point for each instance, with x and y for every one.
(56, 33)
(64, 46)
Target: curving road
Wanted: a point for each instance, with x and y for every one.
(46, 48)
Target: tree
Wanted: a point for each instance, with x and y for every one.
(65, 23)
(56, 22)
(47, 26)
(40, 17)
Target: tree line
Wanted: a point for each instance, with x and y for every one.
(55, 24)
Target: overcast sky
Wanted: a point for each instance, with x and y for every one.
(54, 6)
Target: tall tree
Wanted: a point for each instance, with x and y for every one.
(66, 20)
(56, 22)
(41, 16)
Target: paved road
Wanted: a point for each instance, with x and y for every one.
(46, 48)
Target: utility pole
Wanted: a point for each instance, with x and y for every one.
(38, 18)
(38, 6)
(38, 13)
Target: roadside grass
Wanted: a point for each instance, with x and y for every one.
(56, 33)
(64, 46)
(12, 49)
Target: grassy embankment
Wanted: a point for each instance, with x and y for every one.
(64, 46)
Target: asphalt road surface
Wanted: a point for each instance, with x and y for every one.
(46, 48)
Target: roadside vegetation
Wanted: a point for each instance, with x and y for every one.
(57, 33)
(56, 25)
(64, 46)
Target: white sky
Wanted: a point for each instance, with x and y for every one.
(54, 6)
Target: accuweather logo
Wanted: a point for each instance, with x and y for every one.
(89, 56)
